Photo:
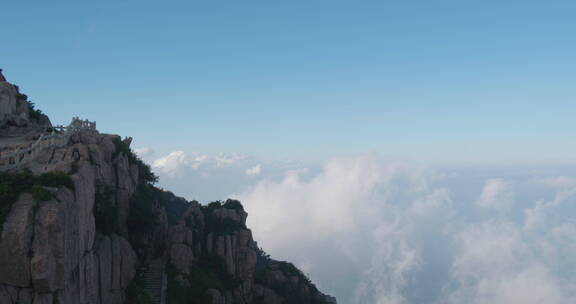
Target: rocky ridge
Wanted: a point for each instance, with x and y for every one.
(84, 223)
(16, 111)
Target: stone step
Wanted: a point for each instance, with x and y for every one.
(154, 281)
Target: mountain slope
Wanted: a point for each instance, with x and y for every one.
(82, 222)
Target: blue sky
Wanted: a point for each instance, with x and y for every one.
(433, 81)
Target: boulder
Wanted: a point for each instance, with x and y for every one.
(117, 267)
(15, 112)
(181, 257)
(266, 295)
(180, 234)
(236, 215)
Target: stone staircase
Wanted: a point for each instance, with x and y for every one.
(155, 281)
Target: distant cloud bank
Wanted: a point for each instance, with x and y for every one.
(376, 231)
(395, 233)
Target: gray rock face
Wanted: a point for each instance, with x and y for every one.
(180, 234)
(220, 234)
(48, 248)
(245, 254)
(11, 109)
(181, 256)
(50, 251)
(14, 111)
(16, 242)
(84, 195)
(236, 249)
(266, 295)
(181, 253)
(8, 294)
(116, 261)
(126, 185)
(232, 214)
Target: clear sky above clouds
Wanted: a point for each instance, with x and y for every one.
(436, 81)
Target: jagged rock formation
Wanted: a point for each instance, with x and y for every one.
(215, 238)
(51, 249)
(11, 109)
(16, 111)
(83, 223)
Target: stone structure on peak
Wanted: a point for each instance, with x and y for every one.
(26, 133)
(79, 124)
(14, 156)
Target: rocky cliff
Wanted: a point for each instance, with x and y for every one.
(84, 223)
(16, 111)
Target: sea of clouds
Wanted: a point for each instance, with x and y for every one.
(372, 230)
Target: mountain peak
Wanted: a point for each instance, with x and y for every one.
(82, 222)
(17, 113)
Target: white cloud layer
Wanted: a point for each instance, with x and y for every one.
(496, 194)
(144, 152)
(171, 163)
(560, 181)
(498, 263)
(179, 161)
(228, 159)
(373, 231)
(209, 177)
(387, 232)
(254, 171)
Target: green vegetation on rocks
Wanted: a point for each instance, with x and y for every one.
(143, 215)
(14, 184)
(228, 204)
(218, 225)
(35, 114)
(287, 290)
(136, 294)
(208, 273)
(200, 279)
(233, 204)
(105, 210)
(146, 175)
(175, 206)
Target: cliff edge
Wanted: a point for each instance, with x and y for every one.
(82, 222)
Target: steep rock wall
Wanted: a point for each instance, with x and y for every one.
(51, 250)
(92, 241)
